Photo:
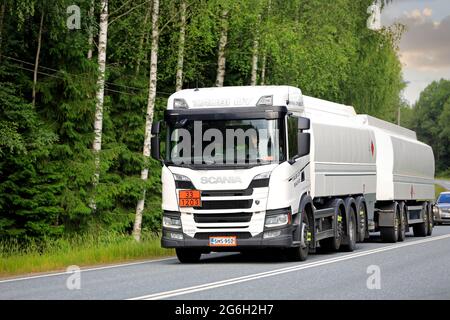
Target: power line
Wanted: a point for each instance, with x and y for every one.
(53, 76)
(77, 75)
(72, 74)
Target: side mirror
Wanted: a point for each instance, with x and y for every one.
(154, 141)
(304, 143)
(303, 124)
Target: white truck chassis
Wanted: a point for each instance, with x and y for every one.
(338, 177)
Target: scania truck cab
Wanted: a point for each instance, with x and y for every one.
(266, 167)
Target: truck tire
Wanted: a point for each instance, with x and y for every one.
(188, 255)
(430, 220)
(300, 253)
(351, 232)
(402, 222)
(334, 243)
(361, 212)
(421, 229)
(390, 234)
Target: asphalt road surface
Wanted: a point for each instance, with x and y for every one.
(418, 268)
(444, 183)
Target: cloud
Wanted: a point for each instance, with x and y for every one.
(426, 44)
(427, 12)
(417, 16)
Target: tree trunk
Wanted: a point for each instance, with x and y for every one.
(98, 121)
(255, 54)
(91, 29)
(149, 117)
(36, 61)
(142, 39)
(222, 45)
(181, 42)
(264, 53)
(263, 69)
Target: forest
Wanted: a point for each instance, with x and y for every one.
(82, 80)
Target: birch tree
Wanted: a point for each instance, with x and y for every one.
(255, 53)
(221, 61)
(263, 69)
(100, 95)
(264, 50)
(181, 44)
(149, 116)
(91, 29)
(36, 61)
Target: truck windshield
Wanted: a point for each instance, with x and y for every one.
(226, 142)
(444, 198)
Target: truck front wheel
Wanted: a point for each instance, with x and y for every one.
(300, 253)
(188, 255)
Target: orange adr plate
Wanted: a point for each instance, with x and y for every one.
(189, 198)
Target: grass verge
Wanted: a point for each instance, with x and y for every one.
(86, 250)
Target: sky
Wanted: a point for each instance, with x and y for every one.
(425, 46)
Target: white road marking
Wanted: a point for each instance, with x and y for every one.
(222, 283)
(85, 270)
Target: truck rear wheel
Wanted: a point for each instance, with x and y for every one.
(362, 212)
(402, 226)
(334, 243)
(421, 229)
(390, 234)
(188, 255)
(351, 232)
(430, 220)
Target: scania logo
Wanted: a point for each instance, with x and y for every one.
(222, 180)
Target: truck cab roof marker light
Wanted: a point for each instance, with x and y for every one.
(180, 104)
(265, 101)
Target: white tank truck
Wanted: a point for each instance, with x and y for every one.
(321, 175)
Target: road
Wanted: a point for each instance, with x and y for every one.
(444, 183)
(415, 269)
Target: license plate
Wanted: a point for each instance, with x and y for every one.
(189, 198)
(222, 241)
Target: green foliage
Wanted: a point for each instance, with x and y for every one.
(431, 118)
(82, 250)
(46, 162)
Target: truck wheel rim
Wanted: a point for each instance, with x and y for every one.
(305, 231)
(362, 219)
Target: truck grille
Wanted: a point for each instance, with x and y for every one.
(227, 193)
(225, 204)
(222, 217)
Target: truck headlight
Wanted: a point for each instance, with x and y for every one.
(182, 182)
(277, 218)
(436, 210)
(171, 222)
(264, 175)
(180, 177)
